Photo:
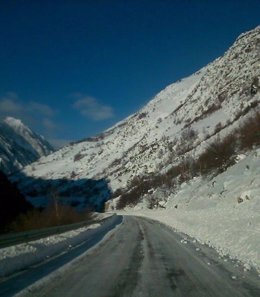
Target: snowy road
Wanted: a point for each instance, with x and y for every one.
(145, 258)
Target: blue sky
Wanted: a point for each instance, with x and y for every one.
(71, 69)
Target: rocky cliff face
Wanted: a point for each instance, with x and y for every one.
(19, 145)
(180, 122)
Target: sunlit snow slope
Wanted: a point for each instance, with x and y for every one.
(212, 102)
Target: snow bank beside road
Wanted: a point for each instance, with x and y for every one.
(223, 213)
(17, 257)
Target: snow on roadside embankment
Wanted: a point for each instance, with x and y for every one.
(17, 257)
(223, 213)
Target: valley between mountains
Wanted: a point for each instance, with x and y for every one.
(190, 160)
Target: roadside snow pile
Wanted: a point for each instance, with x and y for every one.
(17, 257)
(223, 213)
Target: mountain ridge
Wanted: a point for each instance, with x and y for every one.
(19, 145)
(179, 121)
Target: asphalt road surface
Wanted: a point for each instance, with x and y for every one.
(145, 258)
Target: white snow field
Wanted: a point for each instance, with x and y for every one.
(223, 213)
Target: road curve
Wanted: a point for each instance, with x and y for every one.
(145, 258)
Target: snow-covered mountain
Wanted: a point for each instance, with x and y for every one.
(178, 123)
(19, 145)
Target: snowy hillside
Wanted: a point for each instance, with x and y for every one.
(222, 212)
(178, 123)
(19, 146)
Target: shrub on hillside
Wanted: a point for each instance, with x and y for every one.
(54, 215)
(138, 187)
(249, 133)
(219, 155)
(78, 157)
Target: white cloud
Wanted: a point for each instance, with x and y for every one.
(43, 109)
(10, 106)
(49, 124)
(31, 113)
(38, 116)
(92, 109)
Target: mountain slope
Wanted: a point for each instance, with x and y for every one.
(223, 212)
(12, 203)
(19, 146)
(179, 122)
